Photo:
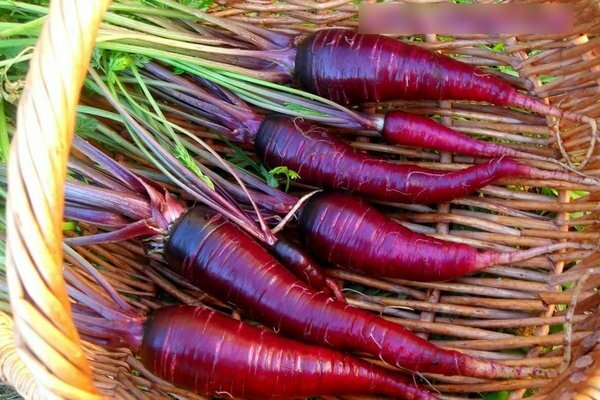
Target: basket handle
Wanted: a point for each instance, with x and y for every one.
(44, 333)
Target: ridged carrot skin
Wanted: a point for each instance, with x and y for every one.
(323, 160)
(210, 353)
(419, 131)
(304, 267)
(349, 68)
(348, 232)
(226, 263)
(345, 231)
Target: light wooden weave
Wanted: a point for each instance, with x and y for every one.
(48, 344)
(45, 335)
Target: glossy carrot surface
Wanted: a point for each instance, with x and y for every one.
(208, 352)
(222, 260)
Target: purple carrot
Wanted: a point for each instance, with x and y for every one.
(210, 353)
(151, 208)
(349, 68)
(418, 131)
(305, 268)
(207, 352)
(324, 160)
(222, 260)
(346, 231)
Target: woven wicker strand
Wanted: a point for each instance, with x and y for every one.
(49, 345)
(12, 368)
(45, 336)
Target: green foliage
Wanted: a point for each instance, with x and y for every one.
(303, 110)
(70, 226)
(531, 392)
(288, 174)
(557, 328)
(243, 161)
(4, 137)
(547, 79)
(577, 194)
(84, 125)
(549, 192)
(184, 156)
(198, 4)
(18, 69)
(112, 62)
(498, 47)
(503, 395)
(508, 70)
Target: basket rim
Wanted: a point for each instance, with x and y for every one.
(37, 289)
(43, 266)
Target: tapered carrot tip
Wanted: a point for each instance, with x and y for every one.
(524, 372)
(531, 172)
(336, 291)
(485, 369)
(490, 258)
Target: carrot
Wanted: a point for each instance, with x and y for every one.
(208, 352)
(348, 67)
(415, 130)
(348, 232)
(295, 258)
(220, 259)
(396, 127)
(226, 263)
(324, 160)
(211, 353)
(134, 206)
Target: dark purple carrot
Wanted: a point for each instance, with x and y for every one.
(135, 206)
(324, 160)
(348, 232)
(207, 352)
(210, 353)
(220, 259)
(305, 268)
(349, 68)
(419, 131)
(396, 127)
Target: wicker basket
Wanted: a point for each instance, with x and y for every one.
(52, 362)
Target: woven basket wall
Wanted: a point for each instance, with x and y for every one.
(508, 308)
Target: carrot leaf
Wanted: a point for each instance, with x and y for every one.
(242, 160)
(303, 110)
(3, 134)
(85, 125)
(288, 174)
